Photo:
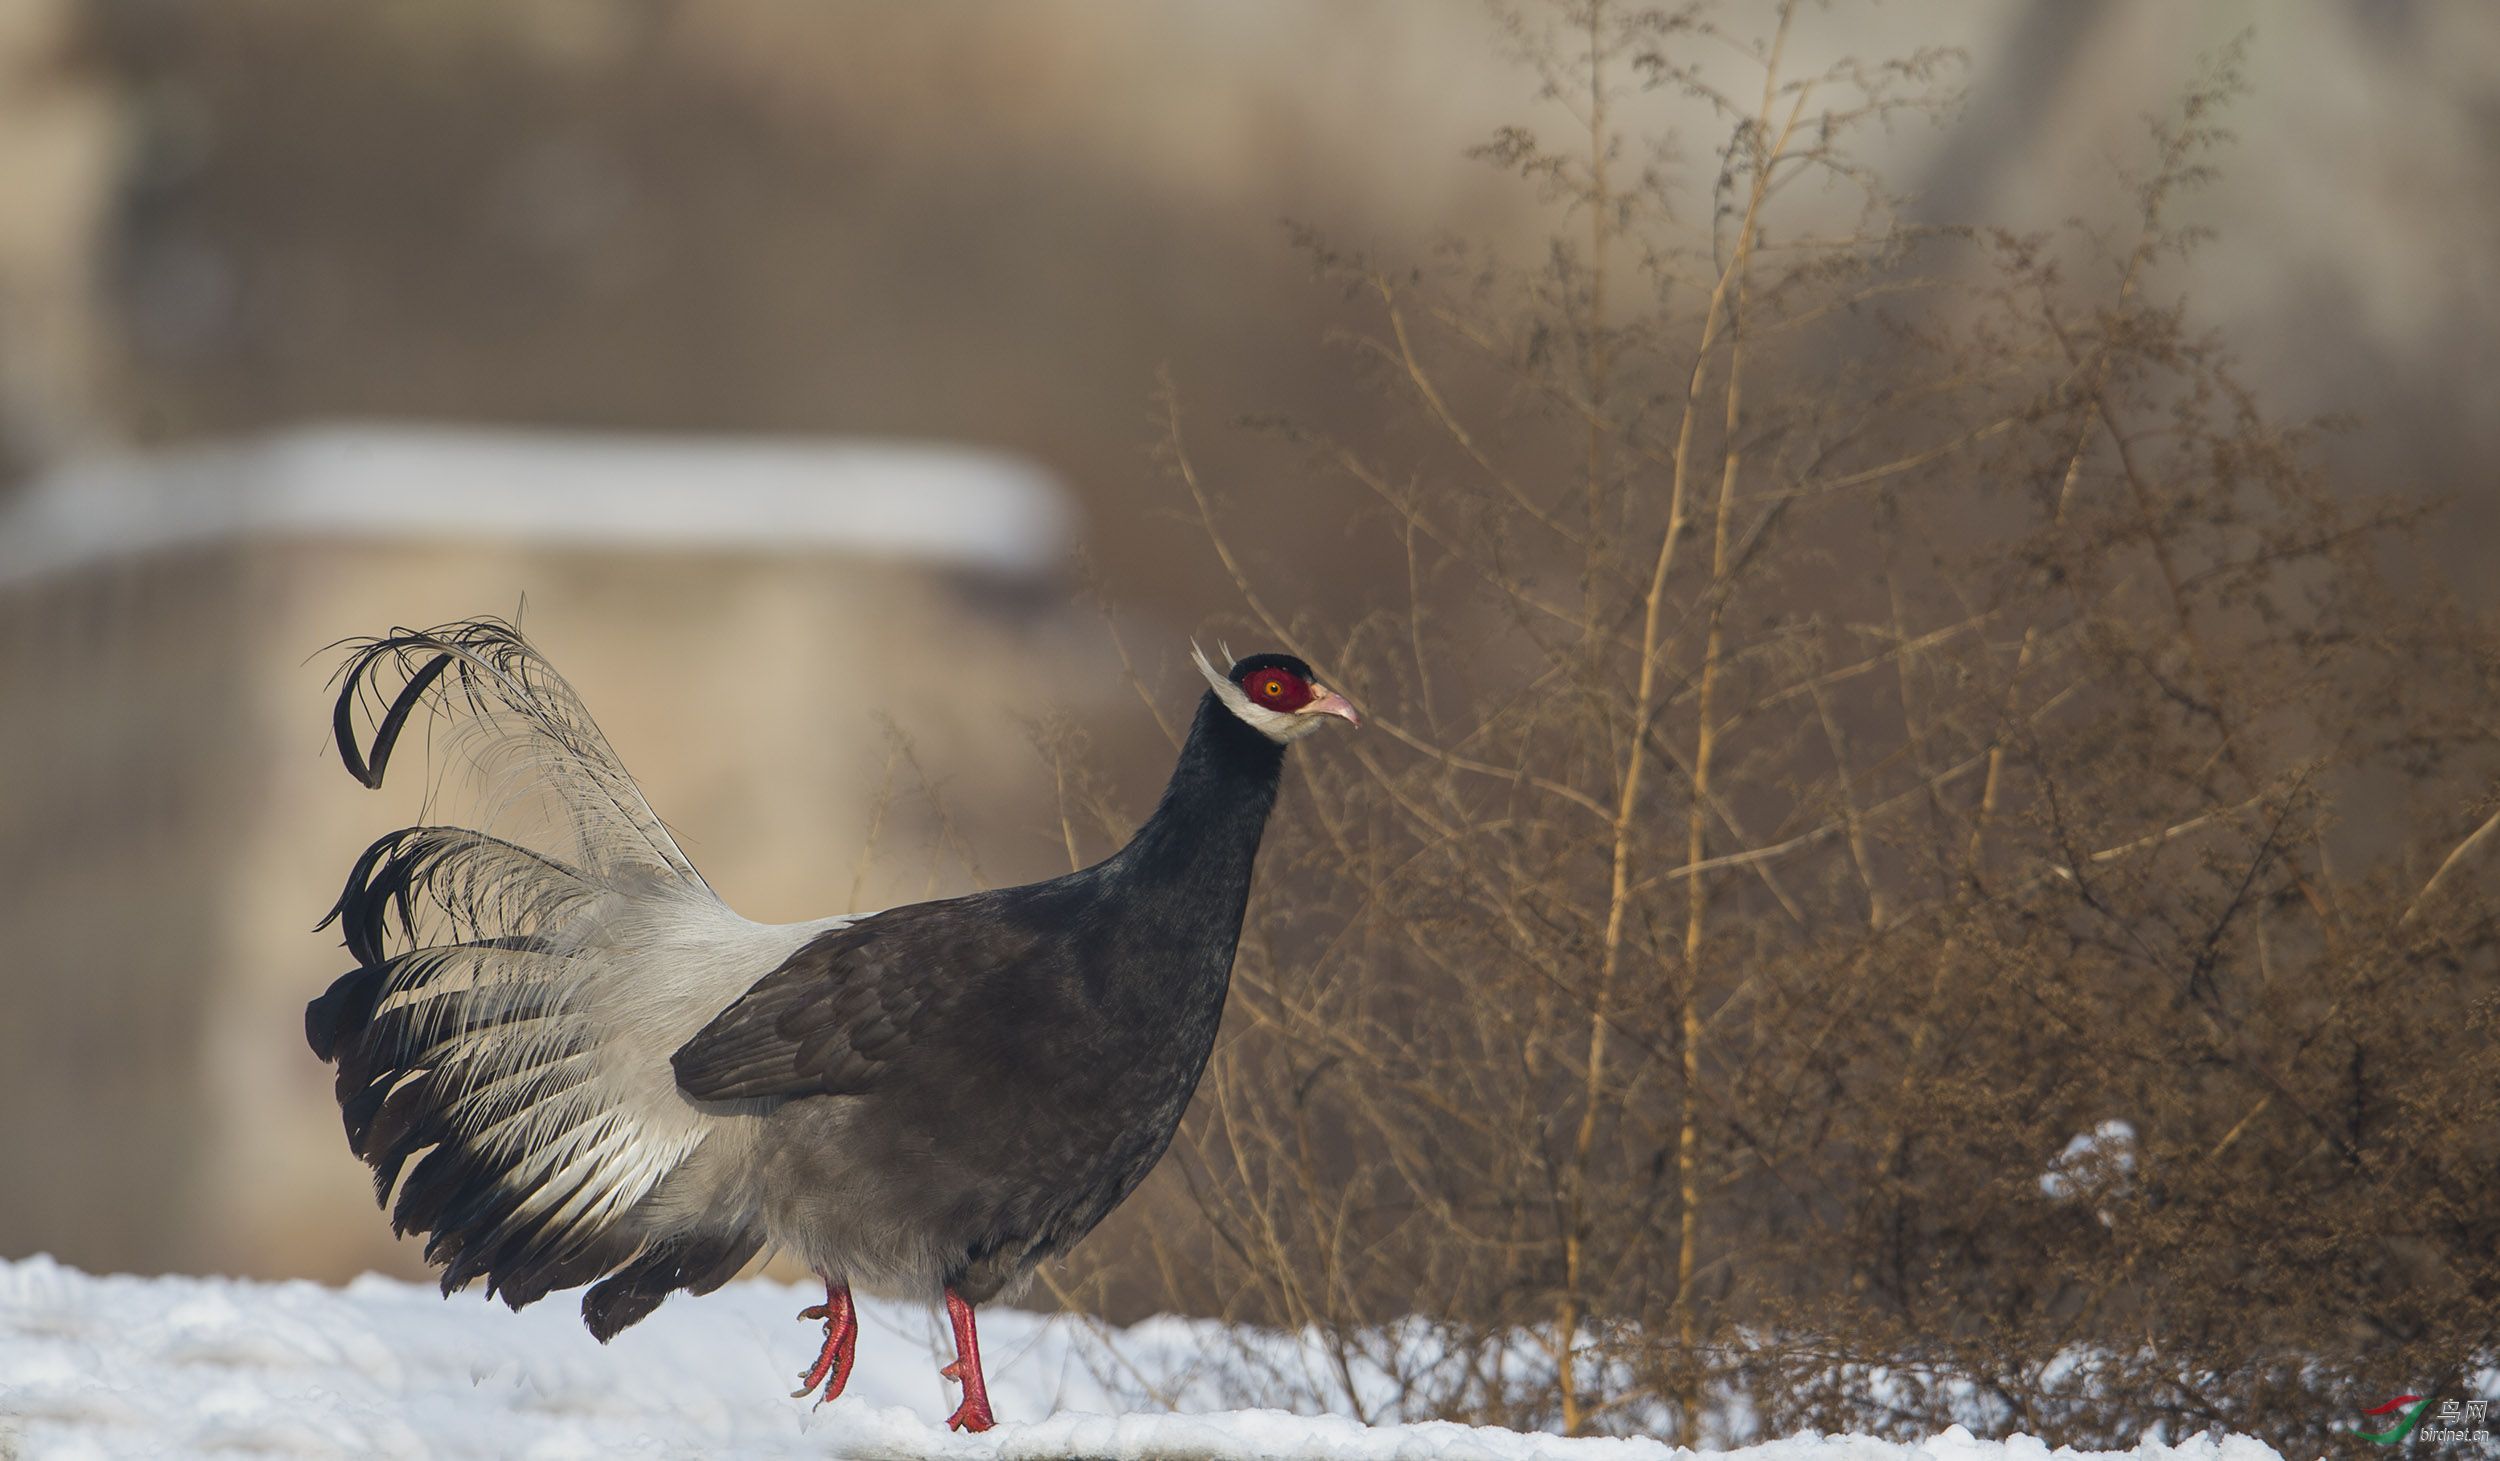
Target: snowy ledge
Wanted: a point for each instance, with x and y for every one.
(349, 482)
(119, 1366)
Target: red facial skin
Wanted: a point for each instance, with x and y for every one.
(1279, 690)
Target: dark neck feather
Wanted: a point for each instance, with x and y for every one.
(1206, 829)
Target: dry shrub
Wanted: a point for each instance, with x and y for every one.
(1852, 708)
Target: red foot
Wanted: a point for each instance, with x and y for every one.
(833, 1363)
(974, 1413)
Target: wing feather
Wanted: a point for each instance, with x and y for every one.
(849, 1004)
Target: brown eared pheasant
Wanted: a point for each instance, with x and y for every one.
(577, 1066)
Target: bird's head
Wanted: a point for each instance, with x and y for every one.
(1276, 694)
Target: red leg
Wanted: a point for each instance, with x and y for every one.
(974, 1413)
(833, 1364)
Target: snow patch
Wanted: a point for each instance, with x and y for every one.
(2097, 1163)
(114, 1366)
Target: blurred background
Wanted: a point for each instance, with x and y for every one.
(798, 365)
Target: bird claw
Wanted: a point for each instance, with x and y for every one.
(974, 1413)
(831, 1375)
(832, 1369)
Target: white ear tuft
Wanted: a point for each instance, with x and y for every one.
(1267, 722)
(1215, 677)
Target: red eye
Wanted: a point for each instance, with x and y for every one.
(1276, 689)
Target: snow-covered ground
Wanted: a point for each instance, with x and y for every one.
(172, 1367)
